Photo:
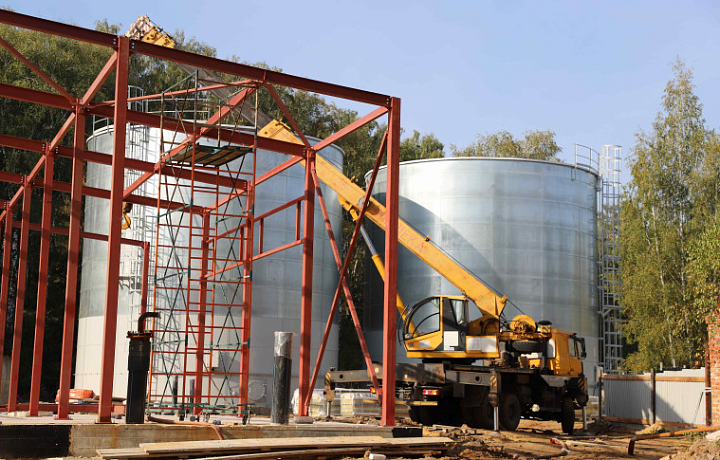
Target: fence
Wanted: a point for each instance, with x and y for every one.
(663, 397)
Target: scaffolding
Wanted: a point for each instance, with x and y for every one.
(609, 259)
(202, 275)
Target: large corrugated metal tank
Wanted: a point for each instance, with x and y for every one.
(526, 228)
(276, 279)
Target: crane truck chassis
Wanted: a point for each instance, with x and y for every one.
(537, 373)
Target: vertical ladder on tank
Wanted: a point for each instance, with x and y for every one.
(609, 259)
(203, 258)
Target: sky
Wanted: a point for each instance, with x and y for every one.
(592, 72)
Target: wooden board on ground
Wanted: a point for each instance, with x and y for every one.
(256, 447)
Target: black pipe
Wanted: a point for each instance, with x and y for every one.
(281, 378)
(138, 367)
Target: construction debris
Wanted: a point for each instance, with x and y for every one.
(284, 448)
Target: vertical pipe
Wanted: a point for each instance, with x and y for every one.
(42, 285)
(72, 266)
(20, 299)
(281, 378)
(5, 281)
(708, 390)
(117, 175)
(653, 401)
(391, 249)
(200, 350)
(307, 282)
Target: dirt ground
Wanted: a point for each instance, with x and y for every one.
(533, 440)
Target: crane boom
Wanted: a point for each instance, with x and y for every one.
(351, 197)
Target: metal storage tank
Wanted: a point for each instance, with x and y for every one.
(276, 278)
(527, 228)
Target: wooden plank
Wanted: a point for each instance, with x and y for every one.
(420, 442)
(315, 453)
(239, 445)
(131, 452)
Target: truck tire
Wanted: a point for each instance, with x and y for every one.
(528, 346)
(510, 411)
(567, 416)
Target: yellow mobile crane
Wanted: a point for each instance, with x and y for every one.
(485, 372)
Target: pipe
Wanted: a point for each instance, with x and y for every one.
(634, 439)
(152, 418)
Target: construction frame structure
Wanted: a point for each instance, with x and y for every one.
(16, 210)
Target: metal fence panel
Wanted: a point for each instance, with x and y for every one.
(679, 397)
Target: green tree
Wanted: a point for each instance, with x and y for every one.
(419, 148)
(661, 216)
(536, 145)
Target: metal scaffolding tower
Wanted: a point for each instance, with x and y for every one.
(202, 283)
(609, 259)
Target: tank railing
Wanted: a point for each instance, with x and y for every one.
(587, 158)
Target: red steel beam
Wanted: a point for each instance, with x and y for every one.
(287, 113)
(34, 96)
(175, 55)
(113, 259)
(44, 263)
(5, 280)
(100, 79)
(20, 298)
(57, 28)
(377, 113)
(391, 249)
(72, 266)
(45, 77)
(307, 284)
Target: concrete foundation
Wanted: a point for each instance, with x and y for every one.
(44, 437)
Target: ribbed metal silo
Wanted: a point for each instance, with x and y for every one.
(276, 279)
(527, 228)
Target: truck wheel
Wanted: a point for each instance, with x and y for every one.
(528, 346)
(510, 412)
(414, 413)
(567, 417)
(486, 415)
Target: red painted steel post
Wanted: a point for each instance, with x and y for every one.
(44, 262)
(305, 392)
(391, 250)
(202, 311)
(5, 280)
(248, 251)
(114, 233)
(20, 298)
(72, 266)
(145, 278)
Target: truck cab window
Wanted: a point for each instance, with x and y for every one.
(424, 319)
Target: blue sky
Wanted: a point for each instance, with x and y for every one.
(593, 72)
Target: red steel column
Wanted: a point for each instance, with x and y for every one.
(19, 298)
(304, 391)
(42, 285)
(202, 311)
(72, 266)
(247, 257)
(391, 247)
(5, 281)
(114, 233)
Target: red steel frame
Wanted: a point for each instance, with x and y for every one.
(79, 109)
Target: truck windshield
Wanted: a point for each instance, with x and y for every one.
(425, 318)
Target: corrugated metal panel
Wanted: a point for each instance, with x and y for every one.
(680, 400)
(628, 399)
